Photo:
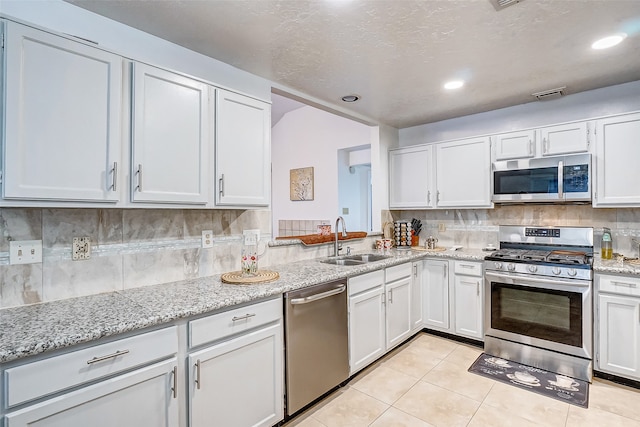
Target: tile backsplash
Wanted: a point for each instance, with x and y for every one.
(291, 227)
(475, 228)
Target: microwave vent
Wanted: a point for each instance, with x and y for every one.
(550, 94)
(501, 4)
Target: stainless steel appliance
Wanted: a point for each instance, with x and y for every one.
(316, 342)
(550, 179)
(538, 298)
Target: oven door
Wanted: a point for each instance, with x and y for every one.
(549, 313)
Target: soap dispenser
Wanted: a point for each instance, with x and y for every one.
(606, 245)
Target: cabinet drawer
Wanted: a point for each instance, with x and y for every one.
(37, 379)
(468, 268)
(365, 282)
(231, 322)
(398, 272)
(623, 285)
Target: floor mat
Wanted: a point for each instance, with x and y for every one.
(546, 383)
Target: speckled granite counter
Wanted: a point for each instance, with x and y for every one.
(615, 266)
(34, 329)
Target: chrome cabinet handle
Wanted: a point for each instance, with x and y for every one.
(631, 285)
(390, 296)
(198, 374)
(139, 173)
(246, 316)
(545, 145)
(321, 295)
(478, 288)
(438, 196)
(174, 389)
(531, 147)
(466, 266)
(444, 271)
(114, 171)
(108, 356)
(428, 197)
(221, 185)
(415, 270)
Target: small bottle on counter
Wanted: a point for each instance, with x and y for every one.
(606, 245)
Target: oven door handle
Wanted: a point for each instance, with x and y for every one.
(550, 282)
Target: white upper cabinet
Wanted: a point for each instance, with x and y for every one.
(464, 173)
(62, 117)
(411, 177)
(515, 145)
(170, 137)
(565, 139)
(617, 154)
(243, 150)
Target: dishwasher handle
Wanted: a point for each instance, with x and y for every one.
(311, 298)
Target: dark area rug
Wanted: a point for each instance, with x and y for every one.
(550, 384)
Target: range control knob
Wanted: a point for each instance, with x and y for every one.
(497, 265)
(532, 268)
(511, 267)
(572, 272)
(556, 270)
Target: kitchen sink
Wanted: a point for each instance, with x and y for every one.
(356, 259)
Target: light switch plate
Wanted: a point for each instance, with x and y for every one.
(25, 252)
(207, 238)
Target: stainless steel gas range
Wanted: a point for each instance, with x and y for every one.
(538, 298)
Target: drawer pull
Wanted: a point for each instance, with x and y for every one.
(174, 389)
(631, 285)
(466, 266)
(107, 357)
(198, 373)
(246, 316)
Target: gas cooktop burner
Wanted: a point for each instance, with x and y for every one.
(553, 257)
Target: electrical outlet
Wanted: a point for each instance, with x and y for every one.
(81, 248)
(25, 252)
(207, 238)
(442, 227)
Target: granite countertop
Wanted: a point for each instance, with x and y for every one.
(615, 266)
(34, 329)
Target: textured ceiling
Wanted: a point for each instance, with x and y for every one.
(396, 54)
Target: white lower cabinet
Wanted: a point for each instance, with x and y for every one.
(618, 325)
(135, 386)
(366, 319)
(468, 300)
(398, 304)
(416, 297)
(239, 382)
(435, 294)
(142, 398)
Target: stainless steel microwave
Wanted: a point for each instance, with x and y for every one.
(550, 179)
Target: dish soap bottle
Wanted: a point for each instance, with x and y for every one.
(606, 245)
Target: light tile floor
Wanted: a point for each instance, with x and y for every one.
(425, 383)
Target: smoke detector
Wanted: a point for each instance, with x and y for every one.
(550, 94)
(501, 4)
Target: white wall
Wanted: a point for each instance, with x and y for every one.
(61, 17)
(595, 103)
(311, 137)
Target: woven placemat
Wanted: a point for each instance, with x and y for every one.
(422, 248)
(262, 276)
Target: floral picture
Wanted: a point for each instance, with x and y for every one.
(301, 184)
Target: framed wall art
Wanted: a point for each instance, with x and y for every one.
(301, 184)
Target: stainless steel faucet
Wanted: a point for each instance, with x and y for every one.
(344, 234)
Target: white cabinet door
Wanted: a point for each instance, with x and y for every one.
(464, 173)
(398, 311)
(564, 139)
(170, 144)
(416, 297)
(62, 118)
(366, 328)
(146, 397)
(411, 177)
(435, 294)
(619, 335)
(243, 150)
(238, 383)
(515, 145)
(468, 306)
(617, 154)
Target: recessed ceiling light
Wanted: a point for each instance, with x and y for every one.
(454, 84)
(608, 42)
(350, 98)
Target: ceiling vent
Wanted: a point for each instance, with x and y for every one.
(501, 4)
(550, 94)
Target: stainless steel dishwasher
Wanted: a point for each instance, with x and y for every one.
(316, 342)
